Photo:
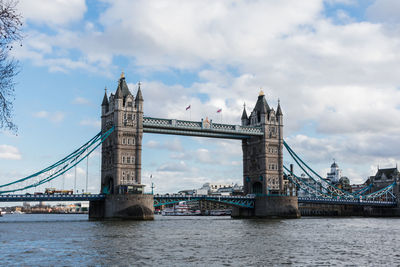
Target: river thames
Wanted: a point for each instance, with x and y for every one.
(72, 240)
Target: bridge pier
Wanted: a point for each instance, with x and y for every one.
(270, 207)
(119, 206)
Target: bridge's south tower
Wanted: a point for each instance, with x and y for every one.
(262, 156)
(263, 165)
(121, 152)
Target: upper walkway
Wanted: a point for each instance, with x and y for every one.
(203, 128)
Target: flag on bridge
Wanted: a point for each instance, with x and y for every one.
(188, 107)
(219, 110)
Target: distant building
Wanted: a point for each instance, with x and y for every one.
(335, 174)
(304, 193)
(215, 189)
(383, 178)
(357, 187)
(344, 183)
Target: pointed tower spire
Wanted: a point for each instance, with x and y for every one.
(124, 87)
(262, 105)
(139, 96)
(118, 93)
(279, 110)
(105, 98)
(244, 114)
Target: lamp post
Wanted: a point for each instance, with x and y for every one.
(152, 184)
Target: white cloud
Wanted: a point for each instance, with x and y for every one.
(91, 122)
(334, 81)
(81, 100)
(52, 12)
(41, 114)
(174, 145)
(386, 11)
(174, 167)
(9, 152)
(55, 117)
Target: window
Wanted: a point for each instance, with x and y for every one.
(129, 116)
(128, 159)
(123, 159)
(123, 141)
(128, 140)
(129, 104)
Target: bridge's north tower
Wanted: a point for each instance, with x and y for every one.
(262, 155)
(121, 152)
(121, 158)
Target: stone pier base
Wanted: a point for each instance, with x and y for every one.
(314, 209)
(270, 207)
(130, 207)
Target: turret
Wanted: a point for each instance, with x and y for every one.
(104, 104)
(245, 119)
(279, 113)
(139, 99)
(261, 110)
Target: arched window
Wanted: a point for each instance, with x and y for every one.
(257, 188)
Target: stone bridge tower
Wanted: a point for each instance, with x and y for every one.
(121, 152)
(262, 156)
(121, 158)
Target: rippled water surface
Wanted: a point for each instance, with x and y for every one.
(72, 240)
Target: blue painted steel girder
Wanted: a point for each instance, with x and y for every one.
(200, 133)
(241, 201)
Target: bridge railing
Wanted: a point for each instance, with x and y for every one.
(345, 201)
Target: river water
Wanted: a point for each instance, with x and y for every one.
(72, 240)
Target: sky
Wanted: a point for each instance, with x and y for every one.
(334, 65)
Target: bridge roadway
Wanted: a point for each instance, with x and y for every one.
(159, 200)
(55, 197)
(202, 128)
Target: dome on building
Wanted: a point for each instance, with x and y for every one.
(334, 165)
(344, 180)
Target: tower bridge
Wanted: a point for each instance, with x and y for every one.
(268, 185)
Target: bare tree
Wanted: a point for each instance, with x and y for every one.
(10, 33)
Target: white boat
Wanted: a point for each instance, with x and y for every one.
(182, 209)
